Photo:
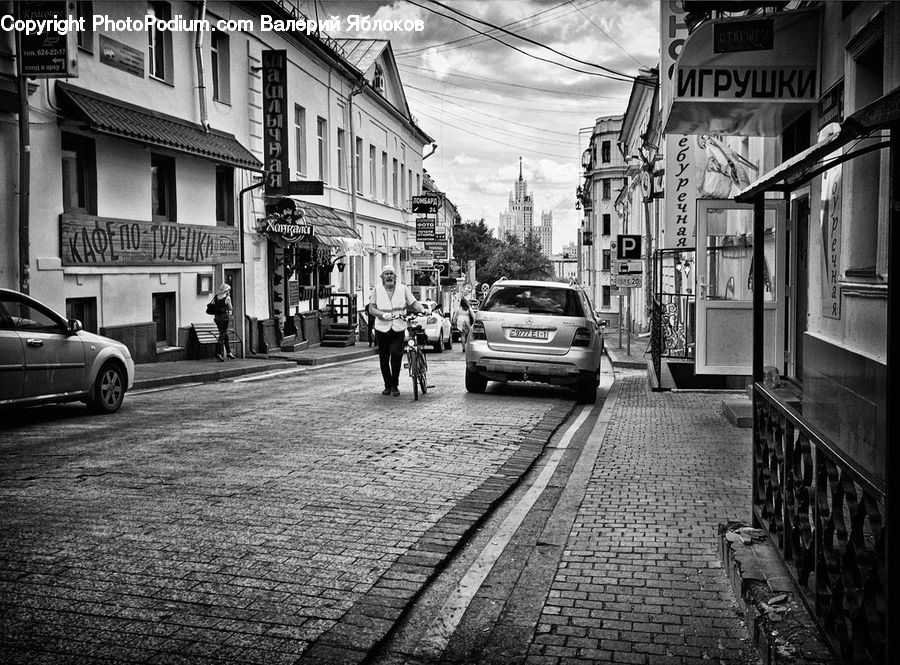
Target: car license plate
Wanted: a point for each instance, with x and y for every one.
(522, 333)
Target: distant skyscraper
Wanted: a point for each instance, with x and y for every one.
(544, 233)
(518, 218)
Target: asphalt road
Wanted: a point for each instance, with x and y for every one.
(238, 521)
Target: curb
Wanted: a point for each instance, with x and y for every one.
(208, 376)
(325, 360)
(367, 625)
(780, 625)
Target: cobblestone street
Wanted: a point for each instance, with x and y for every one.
(238, 521)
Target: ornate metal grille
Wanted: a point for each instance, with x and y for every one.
(827, 520)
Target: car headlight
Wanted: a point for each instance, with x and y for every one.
(410, 343)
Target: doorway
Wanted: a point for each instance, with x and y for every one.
(797, 288)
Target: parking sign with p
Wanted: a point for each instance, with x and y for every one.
(628, 247)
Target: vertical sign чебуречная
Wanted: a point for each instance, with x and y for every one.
(832, 199)
(275, 143)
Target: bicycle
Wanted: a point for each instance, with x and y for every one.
(415, 356)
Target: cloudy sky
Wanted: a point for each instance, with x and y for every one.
(486, 104)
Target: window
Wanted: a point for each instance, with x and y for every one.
(607, 187)
(606, 224)
(373, 180)
(418, 184)
(378, 79)
(300, 138)
(84, 9)
(159, 55)
(606, 258)
(84, 310)
(409, 179)
(220, 64)
(322, 138)
(534, 300)
(164, 318)
(606, 297)
(224, 196)
(384, 177)
(394, 183)
(604, 152)
(79, 174)
(162, 187)
(341, 157)
(403, 184)
(865, 181)
(359, 173)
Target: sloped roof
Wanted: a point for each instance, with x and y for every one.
(107, 115)
(362, 53)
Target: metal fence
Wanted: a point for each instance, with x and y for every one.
(827, 520)
(673, 306)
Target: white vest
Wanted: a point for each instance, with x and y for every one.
(395, 305)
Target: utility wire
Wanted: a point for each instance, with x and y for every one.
(506, 105)
(617, 76)
(476, 40)
(608, 36)
(496, 82)
(612, 73)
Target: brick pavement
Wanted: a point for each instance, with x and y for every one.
(640, 580)
(243, 522)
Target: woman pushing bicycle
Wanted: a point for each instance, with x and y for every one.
(390, 300)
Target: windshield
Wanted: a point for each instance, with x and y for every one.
(534, 300)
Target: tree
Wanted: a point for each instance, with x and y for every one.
(473, 241)
(514, 259)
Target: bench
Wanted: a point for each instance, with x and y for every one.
(208, 333)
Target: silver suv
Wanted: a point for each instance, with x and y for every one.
(535, 331)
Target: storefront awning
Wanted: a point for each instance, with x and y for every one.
(805, 166)
(746, 76)
(331, 229)
(113, 117)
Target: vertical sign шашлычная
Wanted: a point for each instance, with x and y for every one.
(274, 71)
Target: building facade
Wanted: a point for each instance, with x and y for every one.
(518, 218)
(798, 258)
(604, 177)
(544, 233)
(149, 165)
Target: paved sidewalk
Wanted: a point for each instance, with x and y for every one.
(154, 375)
(622, 355)
(640, 580)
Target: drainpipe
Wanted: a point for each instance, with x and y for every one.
(358, 88)
(243, 264)
(24, 184)
(433, 150)
(201, 77)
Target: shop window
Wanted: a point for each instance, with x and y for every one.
(605, 152)
(606, 259)
(606, 224)
(605, 292)
(79, 174)
(341, 158)
(164, 318)
(159, 54)
(220, 65)
(84, 9)
(224, 196)
(85, 310)
(300, 138)
(862, 230)
(162, 188)
(322, 141)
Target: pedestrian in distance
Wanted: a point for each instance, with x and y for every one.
(221, 309)
(463, 318)
(370, 323)
(389, 300)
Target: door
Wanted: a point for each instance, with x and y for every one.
(797, 285)
(12, 359)
(233, 279)
(724, 334)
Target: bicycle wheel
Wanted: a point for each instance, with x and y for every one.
(413, 360)
(422, 370)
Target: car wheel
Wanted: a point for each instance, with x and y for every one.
(438, 346)
(587, 391)
(475, 383)
(109, 389)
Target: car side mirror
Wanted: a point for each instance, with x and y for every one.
(74, 326)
